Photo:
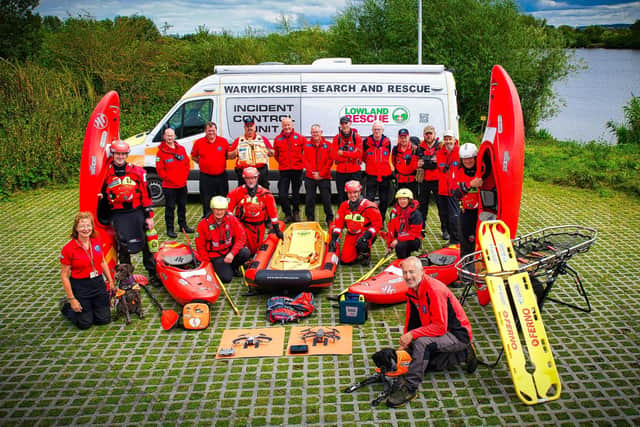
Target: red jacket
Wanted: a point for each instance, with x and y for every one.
(434, 310)
(316, 157)
(253, 210)
(405, 224)
(447, 161)
(215, 239)
(461, 180)
(405, 162)
(428, 155)
(212, 156)
(351, 146)
(172, 165)
(376, 157)
(365, 217)
(129, 191)
(287, 150)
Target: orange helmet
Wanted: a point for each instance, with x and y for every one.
(250, 172)
(120, 147)
(353, 185)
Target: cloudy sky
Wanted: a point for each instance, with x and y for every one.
(185, 16)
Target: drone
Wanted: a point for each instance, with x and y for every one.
(320, 336)
(253, 340)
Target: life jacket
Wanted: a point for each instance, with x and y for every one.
(128, 190)
(405, 163)
(431, 172)
(357, 221)
(461, 178)
(218, 236)
(376, 156)
(252, 152)
(250, 209)
(405, 224)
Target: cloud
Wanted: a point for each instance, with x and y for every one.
(598, 15)
(185, 16)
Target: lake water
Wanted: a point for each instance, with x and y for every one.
(595, 95)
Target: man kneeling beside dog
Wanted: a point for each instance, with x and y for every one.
(437, 332)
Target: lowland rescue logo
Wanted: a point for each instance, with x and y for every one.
(369, 114)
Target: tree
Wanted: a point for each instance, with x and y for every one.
(20, 35)
(467, 36)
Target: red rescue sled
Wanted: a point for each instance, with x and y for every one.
(301, 260)
(184, 277)
(502, 154)
(103, 128)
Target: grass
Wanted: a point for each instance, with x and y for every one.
(53, 374)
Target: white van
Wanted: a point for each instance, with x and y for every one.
(401, 96)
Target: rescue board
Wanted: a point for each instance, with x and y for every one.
(535, 378)
(301, 260)
(103, 128)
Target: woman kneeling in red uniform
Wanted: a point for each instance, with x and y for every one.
(83, 265)
(221, 238)
(405, 226)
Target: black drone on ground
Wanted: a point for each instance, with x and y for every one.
(254, 340)
(320, 335)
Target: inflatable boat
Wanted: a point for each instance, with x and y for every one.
(184, 277)
(103, 128)
(501, 160)
(301, 260)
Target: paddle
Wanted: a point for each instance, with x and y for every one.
(168, 318)
(214, 273)
(368, 274)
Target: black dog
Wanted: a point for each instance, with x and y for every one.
(386, 359)
(128, 293)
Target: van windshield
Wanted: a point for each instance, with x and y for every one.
(189, 119)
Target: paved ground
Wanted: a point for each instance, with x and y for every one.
(53, 374)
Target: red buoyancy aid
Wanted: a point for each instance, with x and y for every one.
(253, 209)
(461, 180)
(215, 239)
(128, 191)
(406, 162)
(366, 216)
(405, 224)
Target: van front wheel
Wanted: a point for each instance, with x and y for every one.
(154, 183)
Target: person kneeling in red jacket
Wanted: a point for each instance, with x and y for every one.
(405, 226)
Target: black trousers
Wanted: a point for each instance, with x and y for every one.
(380, 189)
(451, 207)
(342, 179)
(94, 299)
(173, 197)
(324, 185)
(468, 223)
(404, 248)
(429, 191)
(130, 228)
(212, 185)
(224, 270)
(293, 179)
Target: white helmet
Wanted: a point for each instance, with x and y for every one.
(468, 151)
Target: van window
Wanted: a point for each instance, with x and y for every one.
(189, 119)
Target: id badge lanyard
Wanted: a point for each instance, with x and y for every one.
(94, 272)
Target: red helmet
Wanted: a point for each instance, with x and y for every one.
(250, 172)
(352, 186)
(119, 147)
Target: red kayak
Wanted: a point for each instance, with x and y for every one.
(184, 277)
(502, 153)
(102, 130)
(388, 287)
